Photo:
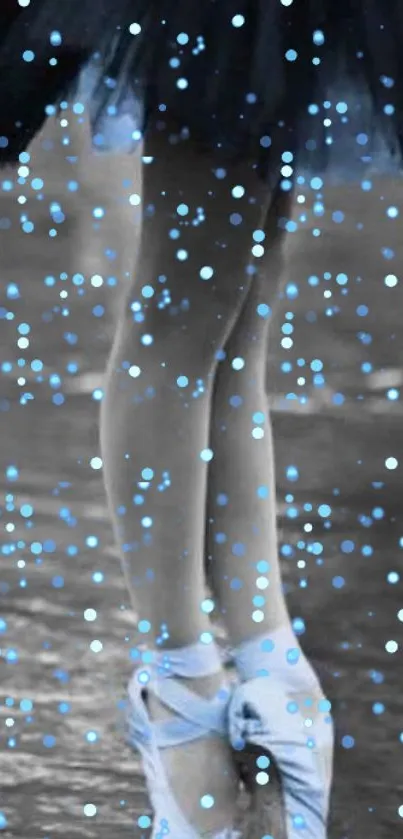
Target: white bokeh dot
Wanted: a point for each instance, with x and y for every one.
(262, 583)
(258, 433)
(207, 802)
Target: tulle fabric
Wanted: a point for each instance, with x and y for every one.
(259, 77)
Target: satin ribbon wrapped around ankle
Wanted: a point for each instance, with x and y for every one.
(282, 710)
(197, 717)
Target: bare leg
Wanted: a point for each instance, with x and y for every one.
(190, 283)
(243, 551)
(242, 492)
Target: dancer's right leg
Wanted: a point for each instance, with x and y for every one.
(190, 283)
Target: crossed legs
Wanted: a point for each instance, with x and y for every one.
(184, 426)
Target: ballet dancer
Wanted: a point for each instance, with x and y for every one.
(236, 102)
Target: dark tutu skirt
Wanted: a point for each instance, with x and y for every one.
(309, 78)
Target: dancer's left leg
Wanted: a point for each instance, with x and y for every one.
(242, 534)
(285, 713)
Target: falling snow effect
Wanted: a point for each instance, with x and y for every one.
(66, 631)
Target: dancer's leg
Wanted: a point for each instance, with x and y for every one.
(156, 413)
(241, 489)
(245, 569)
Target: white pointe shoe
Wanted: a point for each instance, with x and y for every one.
(281, 712)
(197, 717)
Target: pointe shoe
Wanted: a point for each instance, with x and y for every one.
(197, 717)
(279, 713)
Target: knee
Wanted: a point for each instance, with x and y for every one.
(164, 358)
(169, 339)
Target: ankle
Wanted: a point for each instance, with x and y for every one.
(278, 654)
(207, 686)
(198, 664)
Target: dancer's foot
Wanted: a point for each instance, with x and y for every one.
(200, 773)
(178, 721)
(280, 712)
